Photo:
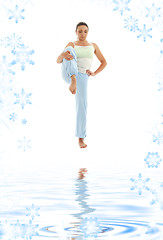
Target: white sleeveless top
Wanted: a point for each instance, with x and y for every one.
(84, 57)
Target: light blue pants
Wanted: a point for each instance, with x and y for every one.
(69, 68)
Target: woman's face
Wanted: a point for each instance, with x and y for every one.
(82, 32)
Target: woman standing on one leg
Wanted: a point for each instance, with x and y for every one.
(76, 62)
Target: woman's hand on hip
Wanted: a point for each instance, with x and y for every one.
(90, 73)
(67, 55)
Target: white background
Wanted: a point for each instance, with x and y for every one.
(122, 99)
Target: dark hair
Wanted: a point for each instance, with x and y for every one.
(81, 23)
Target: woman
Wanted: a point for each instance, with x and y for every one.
(76, 62)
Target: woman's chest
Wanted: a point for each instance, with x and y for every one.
(84, 51)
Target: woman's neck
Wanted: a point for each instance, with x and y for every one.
(82, 43)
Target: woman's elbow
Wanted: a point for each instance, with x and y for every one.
(58, 61)
(104, 62)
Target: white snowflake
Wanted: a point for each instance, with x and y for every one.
(15, 231)
(30, 230)
(5, 107)
(121, 6)
(22, 98)
(160, 85)
(24, 144)
(22, 56)
(11, 231)
(13, 41)
(16, 13)
(24, 121)
(153, 12)
(90, 227)
(32, 211)
(158, 138)
(161, 41)
(144, 33)
(157, 196)
(13, 116)
(6, 74)
(131, 24)
(140, 184)
(152, 159)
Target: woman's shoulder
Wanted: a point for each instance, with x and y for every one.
(70, 44)
(94, 45)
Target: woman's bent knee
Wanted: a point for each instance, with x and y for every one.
(69, 48)
(72, 51)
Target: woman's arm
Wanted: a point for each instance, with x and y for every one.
(60, 58)
(66, 55)
(100, 58)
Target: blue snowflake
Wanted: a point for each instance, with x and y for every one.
(22, 98)
(144, 33)
(6, 73)
(90, 227)
(13, 116)
(32, 211)
(140, 184)
(24, 121)
(13, 41)
(131, 24)
(161, 40)
(121, 5)
(160, 86)
(158, 196)
(153, 12)
(22, 56)
(158, 138)
(152, 159)
(3, 42)
(4, 107)
(30, 230)
(16, 14)
(24, 144)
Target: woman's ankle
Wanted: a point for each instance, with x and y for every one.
(73, 78)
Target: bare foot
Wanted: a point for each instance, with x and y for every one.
(72, 87)
(81, 143)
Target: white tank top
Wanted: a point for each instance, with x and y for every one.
(84, 57)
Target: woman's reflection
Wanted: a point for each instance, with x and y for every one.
(82, 172)
(82, 195)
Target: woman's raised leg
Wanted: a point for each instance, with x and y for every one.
(70, 69)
